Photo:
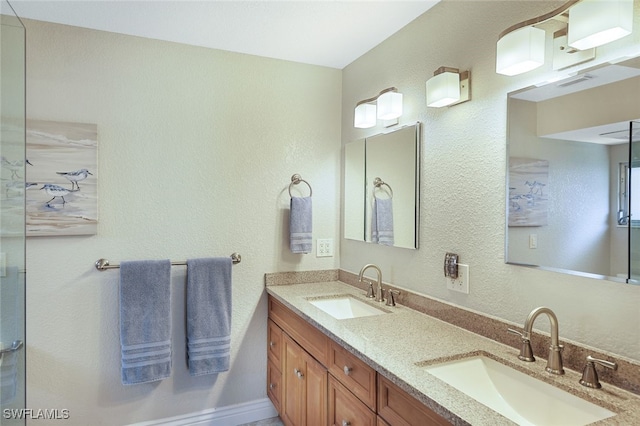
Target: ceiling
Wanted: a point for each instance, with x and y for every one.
(326, 33)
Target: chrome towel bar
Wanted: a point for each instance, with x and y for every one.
(103, 264)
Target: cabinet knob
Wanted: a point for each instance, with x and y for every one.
(272, 385)
(271, 344)
(346, 423)
(298, 373)
(347, 370)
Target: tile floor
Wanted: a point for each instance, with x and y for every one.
(274, 421)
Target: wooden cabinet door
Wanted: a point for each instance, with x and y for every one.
(316, 389)
(293, 372)
(305, 387)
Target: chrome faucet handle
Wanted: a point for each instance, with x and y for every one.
(391, 300)
(371, 293)
(590, 375)
(526, 353)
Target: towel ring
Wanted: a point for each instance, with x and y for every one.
(377, 183)
(296, 179)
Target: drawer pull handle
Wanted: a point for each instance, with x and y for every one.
(346, 423)
(347, 370)
(298, 373)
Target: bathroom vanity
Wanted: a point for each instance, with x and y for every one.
(375, 369)
(318, 379)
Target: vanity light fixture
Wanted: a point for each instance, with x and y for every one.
(365, 116)
(389, 104)
(593, 23)
(520, 51)
(590, 23)
(386, 106)
(448, 87)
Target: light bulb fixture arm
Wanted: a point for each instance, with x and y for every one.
(375, 98)
(387, 106)
(556, 13)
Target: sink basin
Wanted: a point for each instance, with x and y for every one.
(517, 396)
(345, 306)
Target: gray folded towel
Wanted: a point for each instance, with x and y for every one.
(145, 320)
(208, 315)
(382, 221)
(300, 225)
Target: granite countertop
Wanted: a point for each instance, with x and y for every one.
(400, 344)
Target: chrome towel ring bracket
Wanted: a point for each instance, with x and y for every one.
(378, 183)
(296, 179)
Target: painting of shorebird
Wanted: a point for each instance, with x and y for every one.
(528, 192)
(62, 172)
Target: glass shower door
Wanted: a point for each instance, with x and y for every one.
(634, 202)
(12, 217)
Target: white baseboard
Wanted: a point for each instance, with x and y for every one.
(232, 415)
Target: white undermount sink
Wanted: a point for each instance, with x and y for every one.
(517, 396)
(345, 306)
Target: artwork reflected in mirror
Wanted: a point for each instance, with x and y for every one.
(381, 188)
(569, 174)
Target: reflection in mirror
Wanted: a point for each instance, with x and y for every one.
(569, 174)
(386, 212)
(354, 175)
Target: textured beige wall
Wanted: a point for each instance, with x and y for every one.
(196, 151)
(463, 178)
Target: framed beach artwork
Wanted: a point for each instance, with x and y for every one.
(62, 190)
(528, 192)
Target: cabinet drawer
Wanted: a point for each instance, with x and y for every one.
(399, 408)
(307, 336)
(274, 385)
(274, 344)
(346, 409)
(354, 374)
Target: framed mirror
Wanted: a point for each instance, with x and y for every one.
(381, 188)
(570, 174)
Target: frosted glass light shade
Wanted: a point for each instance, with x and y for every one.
(520, 51)
(443, 89)
(389, 105)
(364, 116)
(593, 23)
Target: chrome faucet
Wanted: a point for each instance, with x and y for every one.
(554, 362)
(378, 294)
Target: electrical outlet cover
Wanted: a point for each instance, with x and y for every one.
(461, 283)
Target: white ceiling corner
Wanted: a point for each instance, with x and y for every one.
(318, 32)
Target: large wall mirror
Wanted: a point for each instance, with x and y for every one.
(571, 170)
(381, 188)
